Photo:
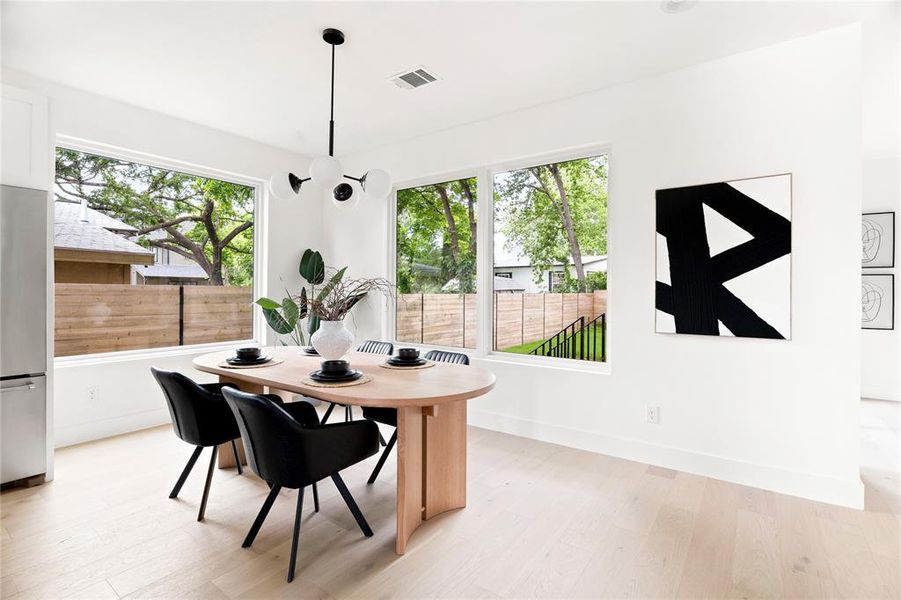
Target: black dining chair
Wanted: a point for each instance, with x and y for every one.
(372, 347)
(200, 417)
(286, 452)
(388, 416)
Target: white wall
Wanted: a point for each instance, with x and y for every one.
(781, 415)
(126, 397)
(881, 350)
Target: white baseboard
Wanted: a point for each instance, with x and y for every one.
(776, 479)
(95, 430)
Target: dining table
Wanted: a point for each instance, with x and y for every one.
(431, 418)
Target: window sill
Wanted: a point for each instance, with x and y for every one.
(541, 362)
(84, 360)
(544, 362)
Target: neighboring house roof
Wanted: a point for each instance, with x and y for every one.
(507, 262)
(505, 284)
(85, 236)
(93, 235)
(424, 269)
(172, 271)
(70, 212)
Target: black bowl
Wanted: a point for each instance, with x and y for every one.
(399, 362)
(321, 377)
(407, 353)
(248, 353)
(334, 367)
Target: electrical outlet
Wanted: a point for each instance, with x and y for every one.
(92, 393)
(654, 415)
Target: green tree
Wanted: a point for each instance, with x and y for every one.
(206, 220)
(555, 214)
(436, 237)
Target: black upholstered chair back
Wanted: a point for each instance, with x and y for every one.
(199, 417)
(376, 347)
(283, 452)
(447, 357)
(269, 435)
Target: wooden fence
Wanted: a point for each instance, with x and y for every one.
(93, 318)
(450, 319)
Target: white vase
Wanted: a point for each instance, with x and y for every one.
(332, 340)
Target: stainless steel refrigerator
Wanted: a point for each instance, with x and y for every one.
(23, 333)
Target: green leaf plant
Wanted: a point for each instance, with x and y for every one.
(300, 314)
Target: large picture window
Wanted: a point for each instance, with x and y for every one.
(550, 235)
(547, 273)
(147, 257)
(436, 264)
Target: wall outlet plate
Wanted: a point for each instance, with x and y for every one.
(653, 415)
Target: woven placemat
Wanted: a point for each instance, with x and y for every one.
(414, 368)
(268, 363)
(360, 381)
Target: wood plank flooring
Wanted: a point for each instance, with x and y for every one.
(543, 521)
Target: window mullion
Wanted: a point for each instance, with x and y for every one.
(485, 261)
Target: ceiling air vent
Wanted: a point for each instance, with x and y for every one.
(414, 78)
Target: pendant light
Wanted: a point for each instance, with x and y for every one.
(326, 171)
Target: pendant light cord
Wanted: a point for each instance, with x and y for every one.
(331, 123)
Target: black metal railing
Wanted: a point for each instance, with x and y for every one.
(578, 340)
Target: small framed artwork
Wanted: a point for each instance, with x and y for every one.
(878, 240)
(877, 302)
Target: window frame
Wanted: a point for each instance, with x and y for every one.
(260, 225)
(484, 175)
(389, 331)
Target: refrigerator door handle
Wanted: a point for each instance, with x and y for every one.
(18, 388)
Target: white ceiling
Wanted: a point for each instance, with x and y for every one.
(260, 69)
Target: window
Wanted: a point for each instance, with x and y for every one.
(148, 257)
(551, 221)
(556, 281)
(436, 264)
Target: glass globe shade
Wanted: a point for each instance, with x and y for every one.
(280, 187)
(377, 184)
(326, 172)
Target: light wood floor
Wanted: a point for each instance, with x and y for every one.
(542, 521)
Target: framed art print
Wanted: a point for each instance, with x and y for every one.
(877, 234)
(877, 301)
(724, 258)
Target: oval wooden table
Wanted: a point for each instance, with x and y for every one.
(431, 419)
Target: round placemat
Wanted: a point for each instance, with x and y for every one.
(360, 381)
(385, 365)
(268, 363)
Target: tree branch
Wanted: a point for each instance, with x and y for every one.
(234, 232)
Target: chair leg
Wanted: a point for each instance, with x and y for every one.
(315, 498)
(209, 480)
(187, 471)
(237, 458)
(354, 509)
(328, 413)
(383, 458)
(294, 541)
(264, 511)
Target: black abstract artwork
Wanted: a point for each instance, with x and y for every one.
(724, 258)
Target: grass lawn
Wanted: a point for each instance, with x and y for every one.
(526, 348)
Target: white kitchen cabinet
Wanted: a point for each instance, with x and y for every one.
(26, 151)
